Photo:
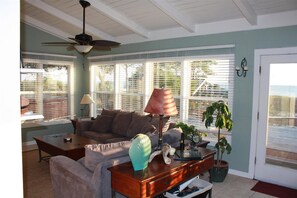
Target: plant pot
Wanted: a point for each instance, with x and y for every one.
(219, 171)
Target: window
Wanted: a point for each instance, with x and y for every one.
(132, 87)
(195, 81)
(210, 80)
(104, 86)
(48, 92)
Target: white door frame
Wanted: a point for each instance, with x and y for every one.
(258, 53)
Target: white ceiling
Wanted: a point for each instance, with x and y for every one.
(130, 21)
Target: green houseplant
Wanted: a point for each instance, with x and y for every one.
(219, 112)
(190, 132)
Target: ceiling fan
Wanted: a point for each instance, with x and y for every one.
(84, 42)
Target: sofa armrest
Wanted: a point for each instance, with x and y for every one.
(102, 176)
(70, 178)
(83, 125)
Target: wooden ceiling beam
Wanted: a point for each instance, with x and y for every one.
(247, 11)
(45, 27)
(119, 18)
(173, 13)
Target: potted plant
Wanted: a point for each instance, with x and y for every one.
(190, 132)
(219, 112)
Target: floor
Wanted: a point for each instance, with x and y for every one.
(37, 181)
(236, 187)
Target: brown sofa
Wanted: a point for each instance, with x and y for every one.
(117, 125)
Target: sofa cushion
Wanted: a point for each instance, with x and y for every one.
(156, 121)
(116, 139)
(139, 124)
(109, 112)
(148, 128)
(121, 122)
(101, 137)
(96, 153)
(102, 124)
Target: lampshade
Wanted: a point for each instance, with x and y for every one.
(83, 48)
(86, 99)
(161, 102)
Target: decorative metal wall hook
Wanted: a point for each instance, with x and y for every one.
(243, 68)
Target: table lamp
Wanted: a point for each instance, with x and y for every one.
(161, 103)
(86, 100)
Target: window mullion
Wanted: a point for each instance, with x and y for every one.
(149, 85)
(117, 94)
(185, 91)
(39, 91)
(92, 90)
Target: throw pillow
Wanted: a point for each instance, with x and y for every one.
(121, 122)
(96, 153)
(139, 124)
(108, 112)
(148, 128)
(102, 124)
(156, 121)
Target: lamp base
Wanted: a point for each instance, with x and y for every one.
(160, 141)
(160, 144)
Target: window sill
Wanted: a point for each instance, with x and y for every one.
(44, 123)
(31, 117)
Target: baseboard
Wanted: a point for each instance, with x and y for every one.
(239, 173)
(29, 146)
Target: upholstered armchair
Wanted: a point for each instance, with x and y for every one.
(89, 177)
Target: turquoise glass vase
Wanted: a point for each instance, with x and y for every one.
(140, 151)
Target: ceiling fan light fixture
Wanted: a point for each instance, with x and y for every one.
(83, 48)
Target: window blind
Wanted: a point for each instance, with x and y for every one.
(32, 89)
(104, 87)
(132, 86)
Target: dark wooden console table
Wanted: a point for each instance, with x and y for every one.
(158, 177)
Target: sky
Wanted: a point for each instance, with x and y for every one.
(283, 74)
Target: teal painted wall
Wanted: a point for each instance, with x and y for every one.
(245, 43)
(29, 133)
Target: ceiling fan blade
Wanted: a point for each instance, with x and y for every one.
(81, 42)
(105, 48)
(104, 43)
(58, 43)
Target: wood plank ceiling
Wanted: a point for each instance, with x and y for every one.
(129, 21)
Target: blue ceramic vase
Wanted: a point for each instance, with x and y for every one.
(140, 151)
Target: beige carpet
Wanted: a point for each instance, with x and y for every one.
(36, 176)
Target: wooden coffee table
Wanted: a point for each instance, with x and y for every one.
(56, 145)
